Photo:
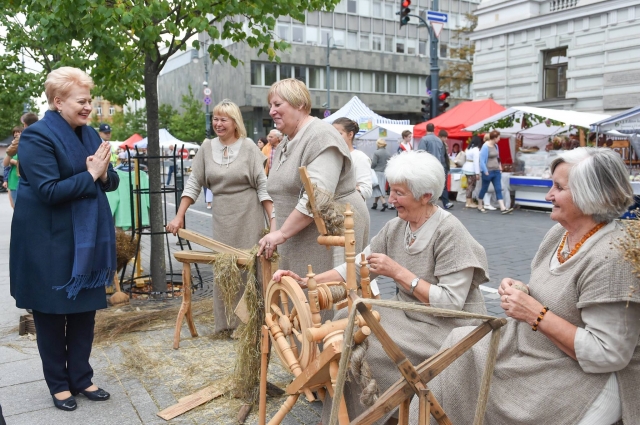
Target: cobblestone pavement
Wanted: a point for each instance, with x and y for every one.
(510, 242)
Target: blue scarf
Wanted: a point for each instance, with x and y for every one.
(94, 260)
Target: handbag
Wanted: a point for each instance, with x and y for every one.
(374, 178)
(461, 158)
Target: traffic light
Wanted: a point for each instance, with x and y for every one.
(404, 12)
(426, 109)
(442, 102)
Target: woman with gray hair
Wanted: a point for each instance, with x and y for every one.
(572, 339)
(432, 259)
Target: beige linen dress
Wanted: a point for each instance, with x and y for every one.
(237, 213)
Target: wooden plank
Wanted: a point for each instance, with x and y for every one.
(306, 181)
(204, 257)
(317, 372)
(427, 370)
(210, 243)
(190, 402)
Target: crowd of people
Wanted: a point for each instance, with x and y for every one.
(571, 342)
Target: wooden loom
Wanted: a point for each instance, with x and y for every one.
(297, 331)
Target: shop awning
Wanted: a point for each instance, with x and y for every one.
(457, 118)
(627, 122)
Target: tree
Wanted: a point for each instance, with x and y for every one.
(126, 124)
(126, 43)
(16, 91)
(188, 126)
(165, 114)
(458, 72)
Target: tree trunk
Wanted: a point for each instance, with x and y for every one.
(156, 218)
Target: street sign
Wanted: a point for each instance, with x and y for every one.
(437, 16)
(184, 153)
(437, 28)
(327, 113)
(207, 100)
(207, 91)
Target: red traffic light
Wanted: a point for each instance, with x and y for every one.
(444, 95)
(406, 3)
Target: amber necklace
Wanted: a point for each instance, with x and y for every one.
(561, 258)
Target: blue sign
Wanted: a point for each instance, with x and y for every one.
(437, 16)
(207, 100)
(327, 113)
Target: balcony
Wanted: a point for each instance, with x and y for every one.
(557, 5)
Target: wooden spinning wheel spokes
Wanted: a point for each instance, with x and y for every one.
(287, 316)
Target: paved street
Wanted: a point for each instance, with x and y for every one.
(510, 242)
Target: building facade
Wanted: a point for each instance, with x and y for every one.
(370, 57)
(566, 54)
(103, 109)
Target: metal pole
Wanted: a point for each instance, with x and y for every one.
(328, 74)
(435, 69)
(207, 118)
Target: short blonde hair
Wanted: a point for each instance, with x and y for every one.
(381, 143)
(60, 81)
(293, 91)
(231, 110)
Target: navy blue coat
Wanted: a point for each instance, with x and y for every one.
(42, 243)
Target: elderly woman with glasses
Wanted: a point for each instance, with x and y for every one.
(432, 259)
(569, 353)
(232, 167)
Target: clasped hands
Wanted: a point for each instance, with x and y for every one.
(98, 163)
(518, 304)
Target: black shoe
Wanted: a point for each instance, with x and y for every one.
(374, 206)
(67, 404)
(391, 207)
(97, 395)
(384, 207)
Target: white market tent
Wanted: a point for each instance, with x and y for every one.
(356, 110)
(627, 122)
(167, 139)
(391, 133)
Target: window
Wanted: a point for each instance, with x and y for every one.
(298, 34)
(99, 110)
(341, 7)
(414, 85)
(388, 11)
(364, 42)
(269, 73)
(112, 110)
(285, 71)
(555, 73)
(338, 38)
(324, 36)
(402, 84)
(256, 74)
(365, 8)
(342, 76)
(411, 47)
(422, 47)
(352, 6)
(300, 73)
(400, 45)
(376, 43)
(355, 80)
(315, 78)
(352, 40)
(377, 9)
(388, 44)
(283, 32)
(367, 82)
(443, 50)
(312, 35)
(391, 83)
(379, 82)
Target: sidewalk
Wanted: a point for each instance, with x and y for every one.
(139, 393)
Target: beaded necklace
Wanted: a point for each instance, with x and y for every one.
(561, 258)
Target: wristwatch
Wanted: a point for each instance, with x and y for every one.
(414, 284)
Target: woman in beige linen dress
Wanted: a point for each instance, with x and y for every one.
(433, 260)
(232, 167)
(318, 146)
(582, 365)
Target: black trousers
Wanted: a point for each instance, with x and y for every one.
(445, 192)
(64, 343)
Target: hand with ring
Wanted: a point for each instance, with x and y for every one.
(270, 242)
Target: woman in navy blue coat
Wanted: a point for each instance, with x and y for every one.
(62, 234)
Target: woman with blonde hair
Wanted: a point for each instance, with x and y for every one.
(316, 145)
(63, 250)
(232, 167)
(379, 164)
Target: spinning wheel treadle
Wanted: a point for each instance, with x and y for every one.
(287, 306)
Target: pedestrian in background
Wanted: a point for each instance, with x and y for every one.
(471, 169)
(362, 163)
(379, 164)
(262, 142)
(405, 144)
(171, 162)
(491, 169)
(436, 147)
(274, 138)
(444, 136)
(63, 206)
(10, 164)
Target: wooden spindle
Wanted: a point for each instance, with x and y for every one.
(314, 304)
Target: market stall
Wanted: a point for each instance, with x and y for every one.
(536, 136)
(390, 133)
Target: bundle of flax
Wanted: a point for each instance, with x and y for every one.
(630, 246)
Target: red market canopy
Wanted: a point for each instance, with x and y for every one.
(131, 141)
(459, 117)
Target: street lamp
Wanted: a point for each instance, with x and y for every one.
(205, 84)
(329, 47)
